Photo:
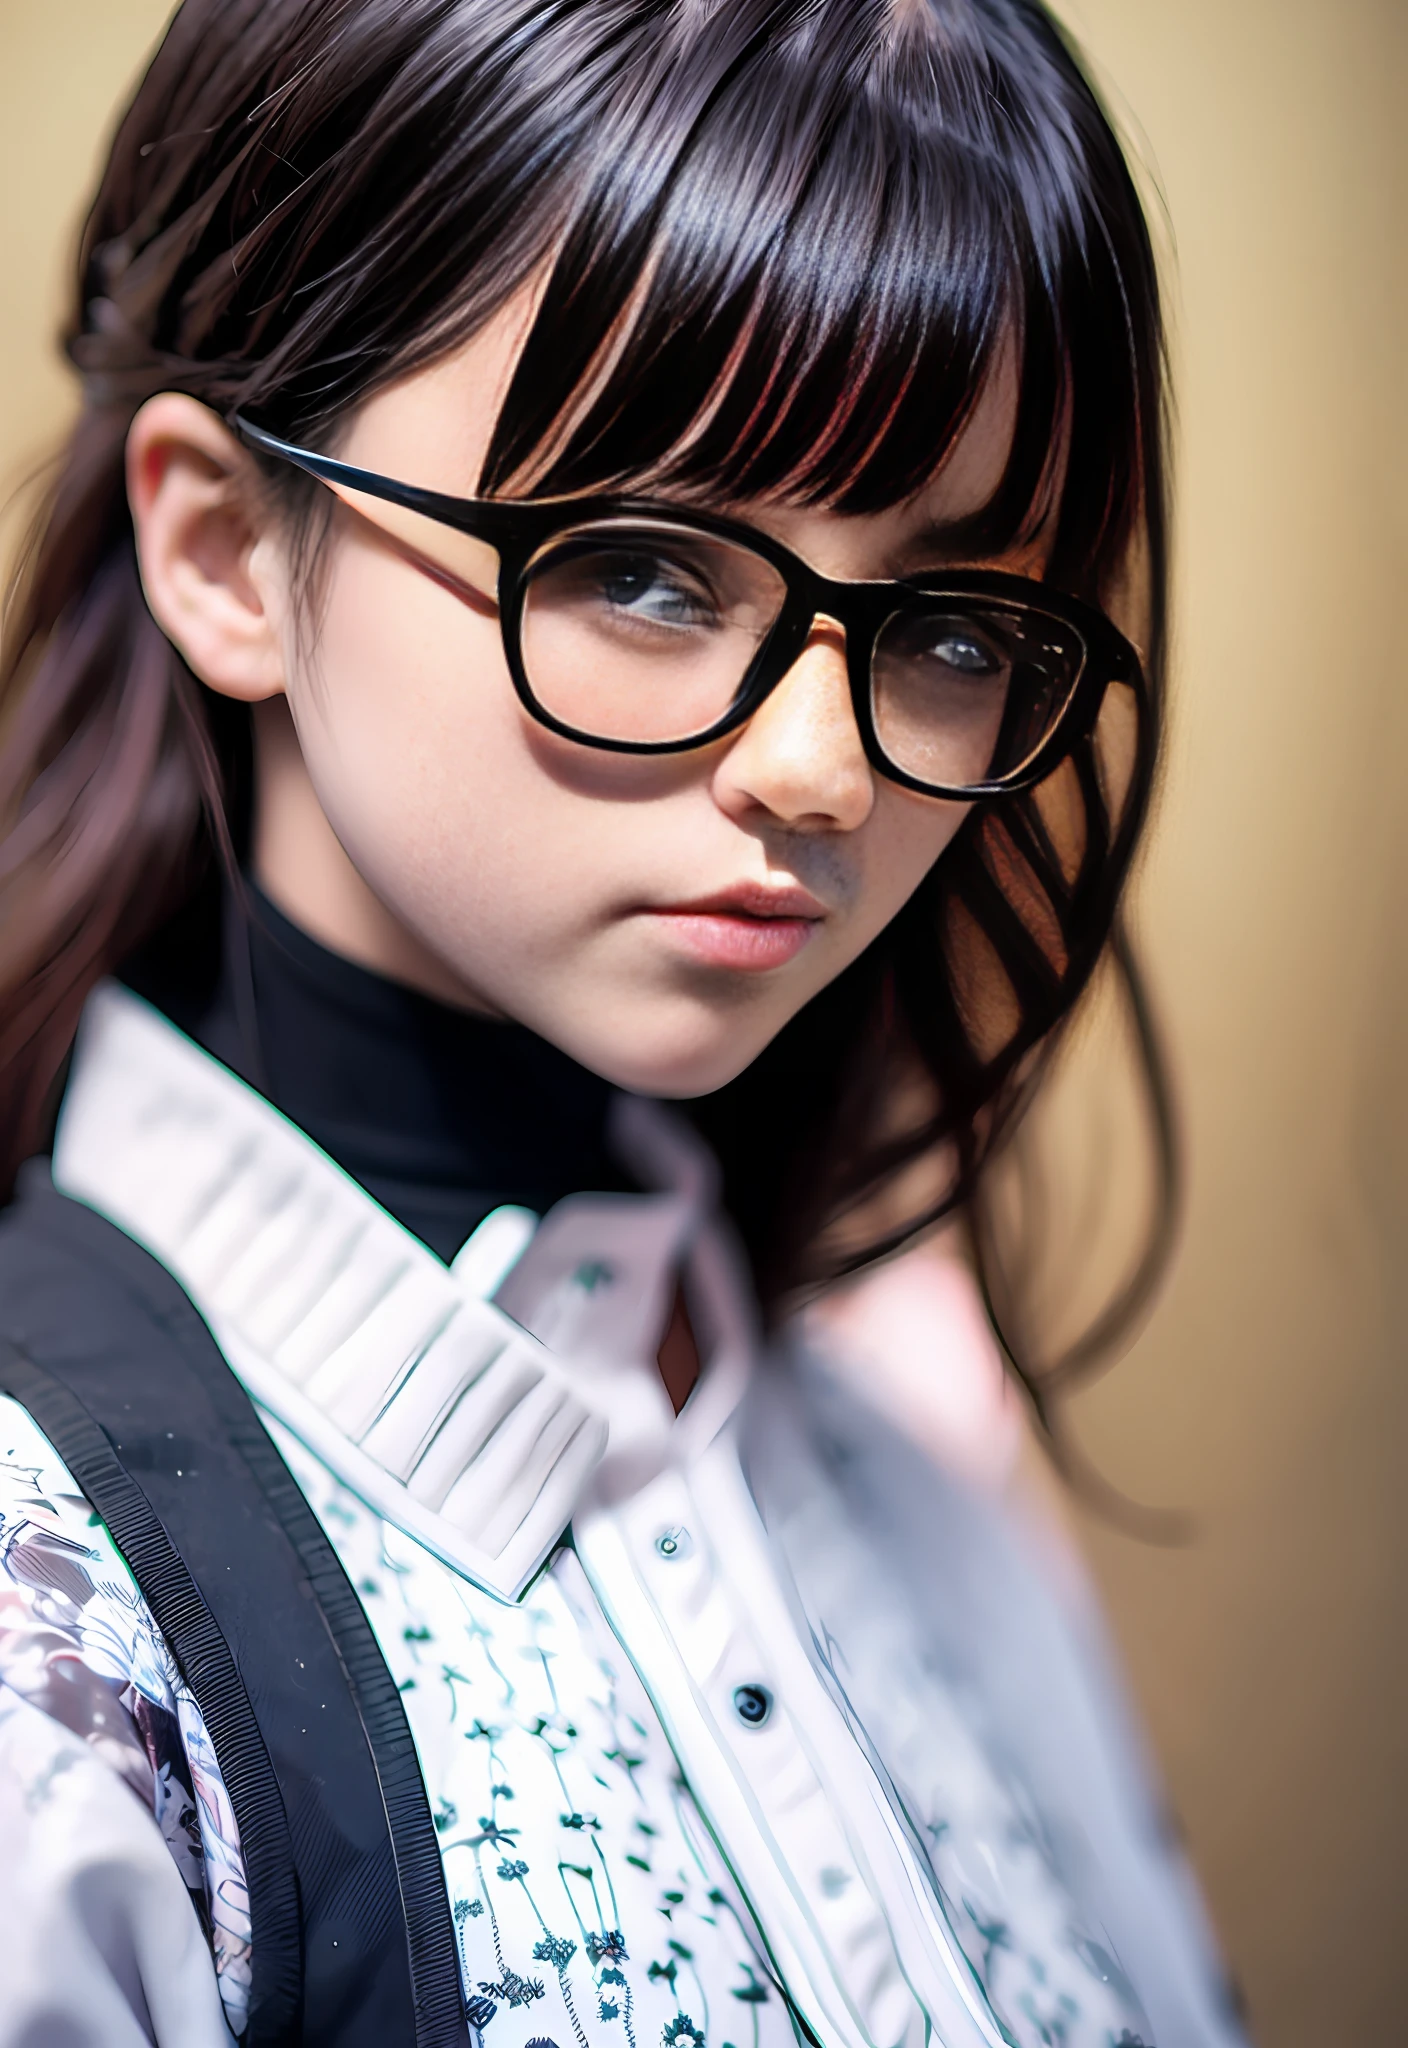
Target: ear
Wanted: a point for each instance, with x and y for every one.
(212, 565)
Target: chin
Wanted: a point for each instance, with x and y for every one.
(675, 1065)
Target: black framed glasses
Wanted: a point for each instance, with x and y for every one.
(640, 628)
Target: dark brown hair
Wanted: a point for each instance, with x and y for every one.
(785, 241)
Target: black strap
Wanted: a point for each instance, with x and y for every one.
(207, 1666)
(353, 1944)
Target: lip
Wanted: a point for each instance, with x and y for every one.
(749, 899)
(748, 928)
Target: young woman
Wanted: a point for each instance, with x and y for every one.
(586, 580)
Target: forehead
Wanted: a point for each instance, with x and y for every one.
(941, 524)
(434, 427)
(975, 465)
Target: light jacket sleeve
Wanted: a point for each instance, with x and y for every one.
(99, 1946)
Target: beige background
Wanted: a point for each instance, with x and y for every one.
(1268, 1393)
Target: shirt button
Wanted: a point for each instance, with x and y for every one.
(752, 1704)
(673, 1543)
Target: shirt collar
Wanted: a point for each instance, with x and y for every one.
(478, 1426)
(440, 1114)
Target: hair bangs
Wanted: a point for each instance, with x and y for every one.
(800, 290)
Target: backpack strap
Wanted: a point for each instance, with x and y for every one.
(353, 1944)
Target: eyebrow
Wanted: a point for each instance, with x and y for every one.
(944, 543)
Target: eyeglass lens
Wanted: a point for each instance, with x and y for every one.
(963, 693)
(641, 633)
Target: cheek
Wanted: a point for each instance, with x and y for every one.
(907, 834)
(415, 744)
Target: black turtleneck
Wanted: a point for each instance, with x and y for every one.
(440, 1116)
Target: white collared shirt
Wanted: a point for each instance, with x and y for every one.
(704, 1765)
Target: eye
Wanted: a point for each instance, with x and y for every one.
(965, 652)
(653, 590)
(947, 644)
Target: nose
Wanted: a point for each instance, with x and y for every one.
(800, 757)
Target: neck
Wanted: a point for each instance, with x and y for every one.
(302, 866)
(441, 1115)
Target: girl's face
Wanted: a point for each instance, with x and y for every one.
(660, 918)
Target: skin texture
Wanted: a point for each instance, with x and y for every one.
(411, 816)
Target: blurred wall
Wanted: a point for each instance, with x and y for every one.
(1270, 1390)
(1268, 1393)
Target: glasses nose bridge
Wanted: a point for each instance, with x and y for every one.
(818, 600)
(859, 608)
(852, 609)
(822, 617)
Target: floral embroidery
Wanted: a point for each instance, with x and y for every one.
(530, 1711)
(993, 1869)
(515, 1990)
(571, 1847)
(609, 1947)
